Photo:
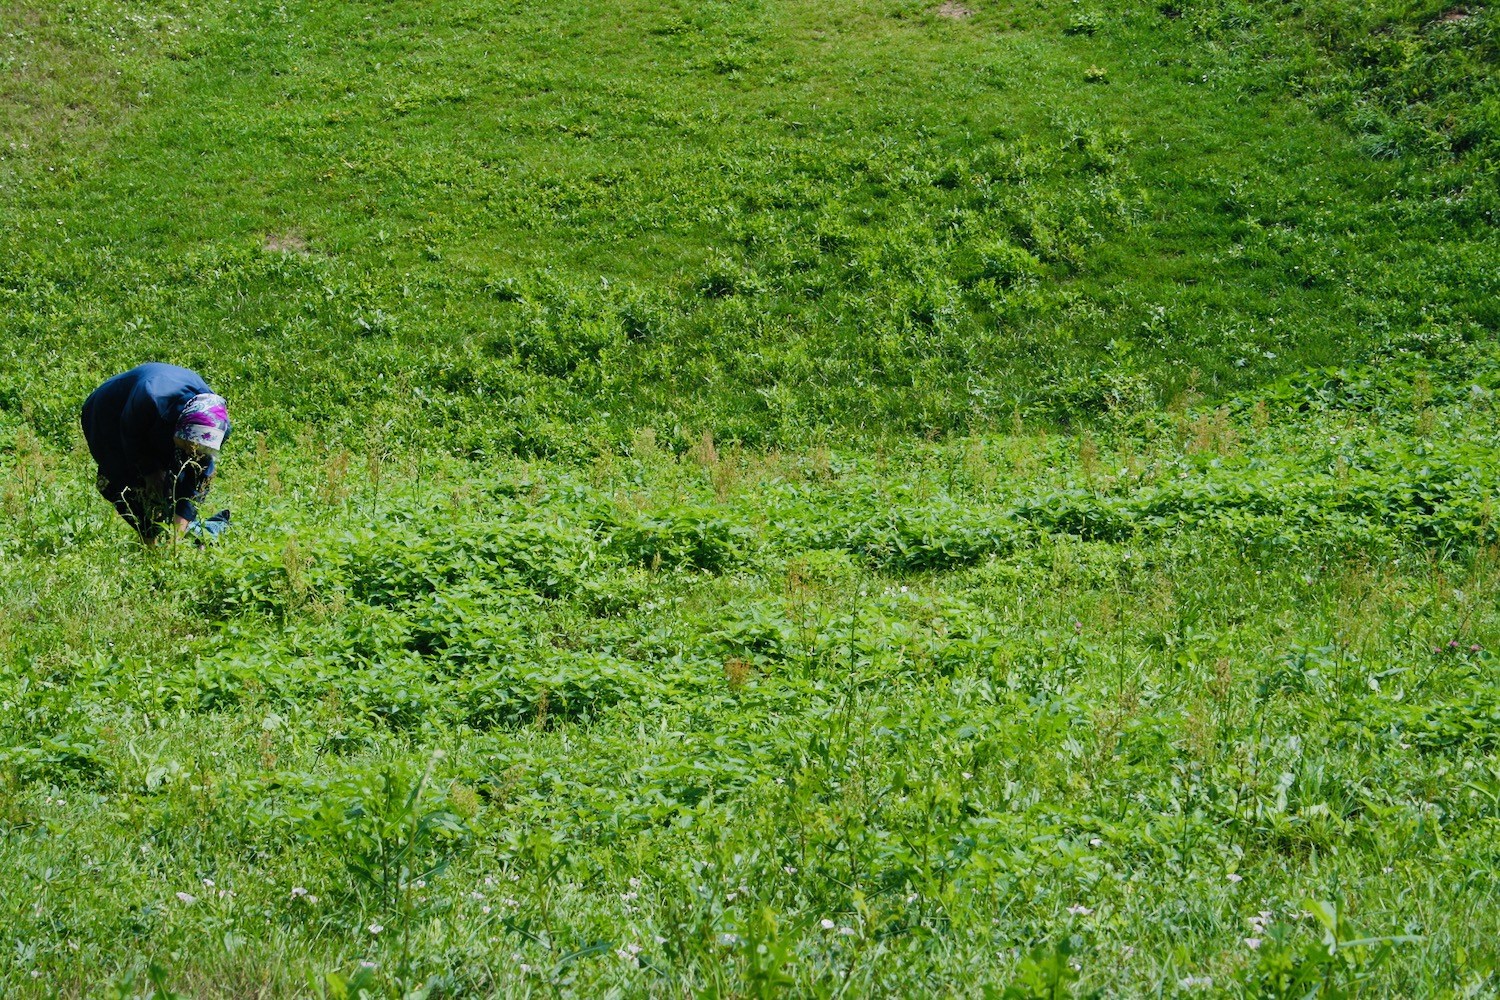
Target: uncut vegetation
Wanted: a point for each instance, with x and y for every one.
(756, 499)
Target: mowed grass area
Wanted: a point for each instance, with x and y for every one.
(757, 499)
(538, 226)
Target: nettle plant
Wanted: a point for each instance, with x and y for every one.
(388, 834)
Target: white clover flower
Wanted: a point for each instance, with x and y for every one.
(789, 869)
(1252, 943)
(1235, 877)
(484, 909)
(635, 883)
(848, 931)
(1079, 910)
(208, 883)
(967, 776)
(1096, 842)
(297, 890)
(827, 924)
(375, 928)
(187, 897)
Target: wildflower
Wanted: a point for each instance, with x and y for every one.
(297, 890)
(1079, 910)
(1387, 870)
(968, 776)
(626, 897)
(1474, 648)
(848, 931)
(476, 895)
(187, 898)
(312, 899)
(658, 939)
(368, 965)
(525, 969)
(484, 909)
(1078, 626)
(375, 928)
(635, 883)
(488, 880)
(827, 924)
(208, 883)
(1096, 842)
(512, 903)
(912, 897)
(1252, 943)
(420, 883)
(1128, 950)
(729, 938)
(789, 869)
(1235, 877)
(1189, 982)
(226, 893)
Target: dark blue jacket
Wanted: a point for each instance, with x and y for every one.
(130, 422)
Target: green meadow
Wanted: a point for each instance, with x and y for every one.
(758, 498)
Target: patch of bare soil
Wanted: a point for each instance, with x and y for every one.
(289, 242)
(957, 11)
(1453, 14)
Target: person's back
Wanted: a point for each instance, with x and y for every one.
(130, 420)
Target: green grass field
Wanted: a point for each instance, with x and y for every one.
(758, 498)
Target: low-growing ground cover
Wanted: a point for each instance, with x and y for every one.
(752, 498)
(1203, 702)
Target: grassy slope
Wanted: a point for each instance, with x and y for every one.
(754, 219)
(998, 705)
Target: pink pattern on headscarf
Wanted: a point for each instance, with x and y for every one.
(204, 421)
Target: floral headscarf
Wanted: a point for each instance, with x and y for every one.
(204, 421)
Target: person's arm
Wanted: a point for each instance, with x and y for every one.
(190, 487)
